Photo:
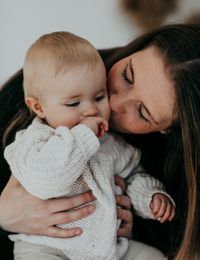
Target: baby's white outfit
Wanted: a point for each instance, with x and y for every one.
(64, 162)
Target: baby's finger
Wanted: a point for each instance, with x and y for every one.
(101, 131)
(166, 213)
(103, 128)
(106, 126)
(172, 215)
(102, 125)
(161, 210)
(155, 205)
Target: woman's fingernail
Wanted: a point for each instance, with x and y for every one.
(91, 209)
(78, 232)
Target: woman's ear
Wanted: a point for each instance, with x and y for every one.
(163, 132)
(35, 106)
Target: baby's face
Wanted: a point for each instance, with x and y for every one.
(74, 95)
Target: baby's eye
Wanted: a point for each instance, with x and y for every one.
(99, 98)
(73, 104)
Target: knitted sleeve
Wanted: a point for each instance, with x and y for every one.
(48, 161)
(127, 162)
(141, 188)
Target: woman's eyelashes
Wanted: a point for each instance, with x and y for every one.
(140, 114)
(126, 77)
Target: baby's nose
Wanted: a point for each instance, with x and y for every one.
(90, 111)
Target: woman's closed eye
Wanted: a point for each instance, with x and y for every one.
(140, 114)
(72, 103)
(128, 74)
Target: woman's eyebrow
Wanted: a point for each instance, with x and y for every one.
(131, 69)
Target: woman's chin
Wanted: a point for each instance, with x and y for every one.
(115, 126)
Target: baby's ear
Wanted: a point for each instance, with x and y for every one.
(34, 104)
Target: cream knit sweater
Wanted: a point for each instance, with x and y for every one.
(63, 162)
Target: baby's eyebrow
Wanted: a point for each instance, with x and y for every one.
(71, 97)
(102, 90)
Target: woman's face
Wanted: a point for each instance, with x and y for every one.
(141, 93)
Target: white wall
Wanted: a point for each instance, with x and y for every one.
(100, 21)
(23, 21)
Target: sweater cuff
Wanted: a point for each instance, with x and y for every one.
(167, 195)
(142, 206)
(86, 140)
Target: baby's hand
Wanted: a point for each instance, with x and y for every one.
(97, 124)
(162, 208)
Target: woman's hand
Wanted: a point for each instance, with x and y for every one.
(124, 211)
(21, 212)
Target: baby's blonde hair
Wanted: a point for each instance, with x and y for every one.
(55, 53)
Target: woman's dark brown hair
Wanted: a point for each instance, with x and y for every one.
(180, 47)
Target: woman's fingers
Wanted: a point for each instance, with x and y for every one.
(63, 204)
(62, 233)
(67, 217)
(24, 213)
(123, 201)
(124, 210)
(121, 183)
(126, 217)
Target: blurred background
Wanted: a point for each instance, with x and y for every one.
(106, 23)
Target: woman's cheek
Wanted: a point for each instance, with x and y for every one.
(112, 102)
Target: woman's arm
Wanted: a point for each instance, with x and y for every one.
(21, 212)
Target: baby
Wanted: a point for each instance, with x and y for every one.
(67, 150)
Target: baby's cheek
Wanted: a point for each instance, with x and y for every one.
(107, 111)
(72, 119)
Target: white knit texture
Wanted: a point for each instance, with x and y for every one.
(64, 162)
(141, 189)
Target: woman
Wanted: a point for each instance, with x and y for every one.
(154, 87)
